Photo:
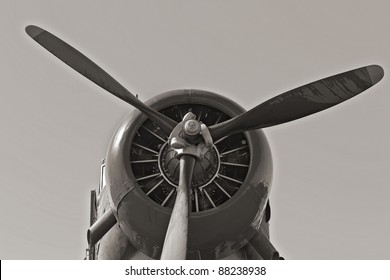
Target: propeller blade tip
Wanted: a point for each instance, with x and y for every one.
(376, 73)
(33, 30)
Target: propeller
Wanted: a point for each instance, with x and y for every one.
(191, 139)
(175, 243)
(93, 72)
(302, 101)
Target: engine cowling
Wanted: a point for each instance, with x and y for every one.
(230, 185)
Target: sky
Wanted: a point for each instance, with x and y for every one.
(331, 186)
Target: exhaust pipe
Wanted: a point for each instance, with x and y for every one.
(264, 247)
(101, 227)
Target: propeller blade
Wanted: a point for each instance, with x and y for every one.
(175, 243)
(302, 101)
(93, 72)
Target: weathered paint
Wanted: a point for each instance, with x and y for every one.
(214, 233)
(175, 243)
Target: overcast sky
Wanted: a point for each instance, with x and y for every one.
(331, 188)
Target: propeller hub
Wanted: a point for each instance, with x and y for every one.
(191, 127)
(220, 167)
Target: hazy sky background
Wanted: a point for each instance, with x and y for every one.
(331, 189)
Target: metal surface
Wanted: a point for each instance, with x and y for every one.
(175, 243)
(206, 168)
(302, 101)
(94, 73)
(92, 219)
(212, 234)
(101, 227)
(217, 177)
(260, 242)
